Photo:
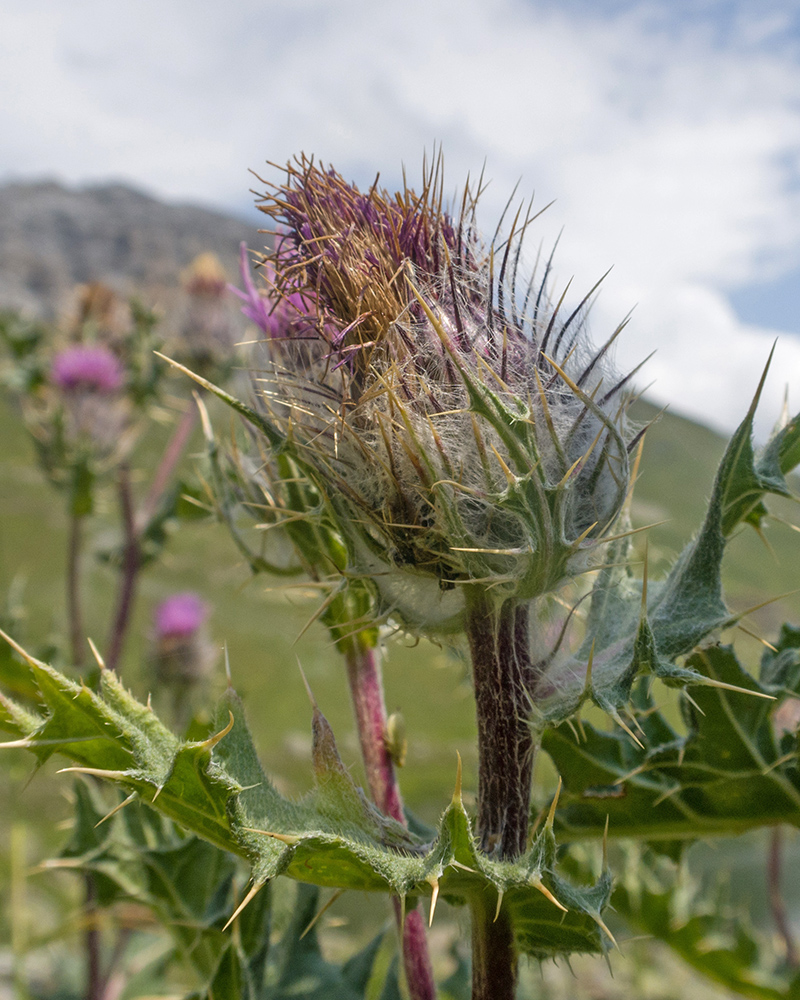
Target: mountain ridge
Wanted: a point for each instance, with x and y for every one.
(54, 237)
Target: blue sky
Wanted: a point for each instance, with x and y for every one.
(667, 133)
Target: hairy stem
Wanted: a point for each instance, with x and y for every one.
(366, 690)
(501, 668)
(131, 561)
(74, 609)
(494, 961)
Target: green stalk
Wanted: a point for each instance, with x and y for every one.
(74, 610)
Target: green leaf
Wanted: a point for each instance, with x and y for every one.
(633, 630)
(731, 771)
(704, 929)
(303, 972)
(332, 837)
(133, 854)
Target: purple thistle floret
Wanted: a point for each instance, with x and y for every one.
(290, 315)
(93, 369)
(180, 615)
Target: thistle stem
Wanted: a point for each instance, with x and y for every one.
(776, 900)
(501, 667)
(494, 961)
(131, 562)
(74, 610)
(169, 460)
(366, 691)
(135, 523)
(94, 979)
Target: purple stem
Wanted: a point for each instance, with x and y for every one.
(172, 455)
(134, 525)
(366, 691)
(502, 673)
(131, 561)
(94, 978)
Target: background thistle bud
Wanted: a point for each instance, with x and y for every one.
(207, 332)
(89, 400)
(183, 655)
(87, 369)
(461, 430)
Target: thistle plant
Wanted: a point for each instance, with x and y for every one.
(182, 654)
(448, 454)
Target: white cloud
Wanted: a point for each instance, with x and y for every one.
(672, 147)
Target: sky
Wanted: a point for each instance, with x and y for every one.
(666, 134)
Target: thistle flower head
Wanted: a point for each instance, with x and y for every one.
(205, 277)
(84, 368)
(179, 615)
(182, 654)
(460, 428)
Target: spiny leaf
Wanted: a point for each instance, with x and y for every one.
(332, 837)
(731, 772)
(629, 635)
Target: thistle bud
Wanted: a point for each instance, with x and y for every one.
(207, 329)
(89, 380)
(87, 369)
(182, 652)
(460, 429)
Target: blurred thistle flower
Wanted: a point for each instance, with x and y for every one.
(180, 615)
(100, 313)
(86, 406)
(87, 369)
(208, 331)
(459, 429)
(183, 655)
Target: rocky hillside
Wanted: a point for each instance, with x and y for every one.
(54, 237)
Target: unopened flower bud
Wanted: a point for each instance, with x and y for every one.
(207, 331)
(87, 369)
(461, 430)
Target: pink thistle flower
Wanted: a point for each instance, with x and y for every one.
(180, 615)
(87, 369)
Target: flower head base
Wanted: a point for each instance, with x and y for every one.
(87, 369)
(205, 277)
(86, 410)
(459, 429)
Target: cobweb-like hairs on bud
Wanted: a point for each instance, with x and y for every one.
(461, 425)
